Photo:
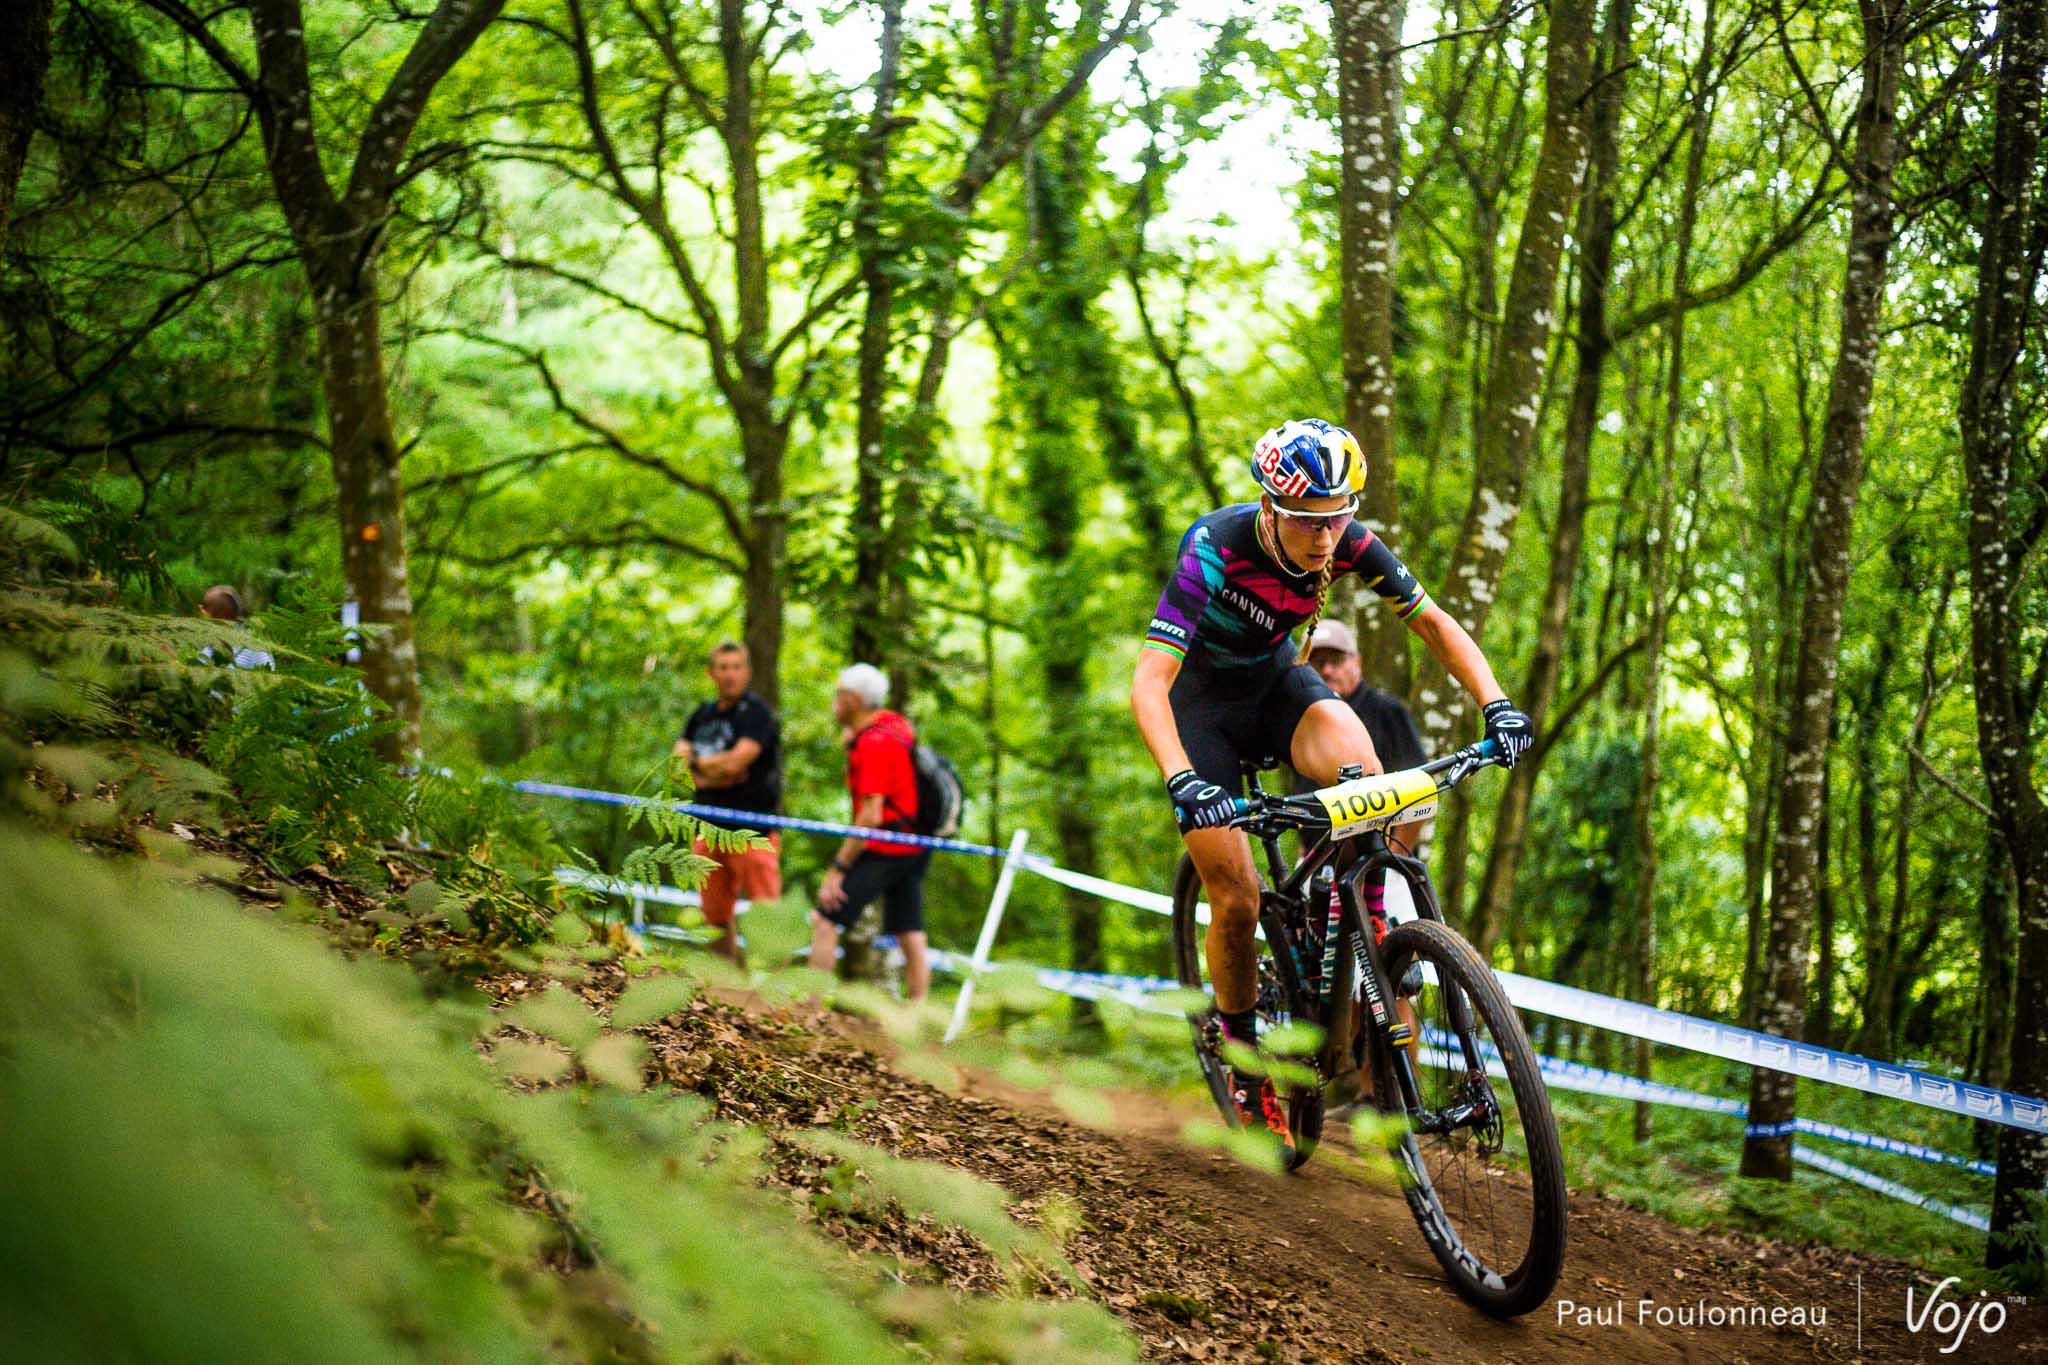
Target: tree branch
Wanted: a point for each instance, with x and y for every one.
(727, 510)
(450, 31)
(1579, 700)
(625, 535)
(196, 29)
(1949, 784)
(1752, 265)
(652, 213)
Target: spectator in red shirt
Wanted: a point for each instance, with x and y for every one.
(882, 781)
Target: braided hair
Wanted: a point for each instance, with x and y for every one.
(1308, 633)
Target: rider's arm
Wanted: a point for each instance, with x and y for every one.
(1457, 652)
(1386, 575)
(1149, 687)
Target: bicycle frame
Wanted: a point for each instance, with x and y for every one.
(1287, 897)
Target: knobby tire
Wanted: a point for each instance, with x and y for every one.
(1498, 1290)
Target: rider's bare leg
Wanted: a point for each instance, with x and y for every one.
(1329, 736)
(1223, 857)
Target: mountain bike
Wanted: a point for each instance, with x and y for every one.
(1479, 1161)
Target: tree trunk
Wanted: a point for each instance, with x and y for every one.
(764, 434)
(1644, 986)
(1996, 934)
(369, 495)
(1838, 477)
(1882, 937)
(1514, 383)
(869, 642)
(24, 59)
(1595, 233)
(337, 236)
(1055, 344)
(1368, 84)
(1820, 1019)
(1006, 132)
(764, 445)
(1999, 331)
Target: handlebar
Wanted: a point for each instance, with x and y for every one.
(1312, 810)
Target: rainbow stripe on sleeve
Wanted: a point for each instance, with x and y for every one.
(1409, 607)
(1154, 640)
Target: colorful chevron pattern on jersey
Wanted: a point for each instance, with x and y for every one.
(1229, 600)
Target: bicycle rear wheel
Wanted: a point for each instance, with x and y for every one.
(1304, 1103)
(1487, 1187)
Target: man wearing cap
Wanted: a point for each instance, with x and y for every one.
(1333, 654)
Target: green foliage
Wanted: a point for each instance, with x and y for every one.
(677, 833)
(301, 751)
(2027, 1241)
(94, 699)
(299, 1128)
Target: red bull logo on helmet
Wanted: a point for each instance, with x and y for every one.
(1269, 457)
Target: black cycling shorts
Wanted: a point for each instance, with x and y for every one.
(1227, 719)
(898, 880)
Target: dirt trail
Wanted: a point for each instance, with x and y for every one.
(1208, 1260)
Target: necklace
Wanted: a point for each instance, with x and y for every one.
(1269, 541)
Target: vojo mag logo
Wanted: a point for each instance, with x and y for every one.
(1949, 1318)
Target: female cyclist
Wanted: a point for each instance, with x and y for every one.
(1217, 684)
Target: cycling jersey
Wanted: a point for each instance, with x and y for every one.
(1232, 603)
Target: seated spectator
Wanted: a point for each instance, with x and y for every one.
(882, 780)
(223, 603)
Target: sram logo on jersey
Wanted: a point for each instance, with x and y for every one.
(1269, 455)
(1169, 629)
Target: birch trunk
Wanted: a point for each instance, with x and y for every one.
(1838, 477)
(1999, 333)
(1506, 427)
(1368, 87)
(1595, 233)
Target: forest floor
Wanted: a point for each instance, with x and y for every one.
(1208, 1259)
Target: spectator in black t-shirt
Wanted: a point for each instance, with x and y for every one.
(1333, 653)
(733, 745)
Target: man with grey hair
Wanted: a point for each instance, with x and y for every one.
(881, 777)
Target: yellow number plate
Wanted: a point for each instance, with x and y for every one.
(1376, 802)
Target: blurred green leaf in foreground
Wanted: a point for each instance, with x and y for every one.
(226, 1141)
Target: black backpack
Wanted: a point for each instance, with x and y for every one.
(940, 797)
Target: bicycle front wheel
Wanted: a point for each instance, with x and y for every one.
(1479, 1156)
(1190, 958)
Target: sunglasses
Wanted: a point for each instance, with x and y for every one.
(1313, 522)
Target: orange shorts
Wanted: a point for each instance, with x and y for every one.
(755, 874)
